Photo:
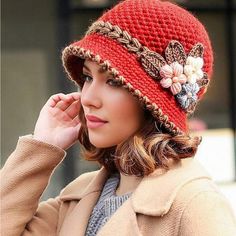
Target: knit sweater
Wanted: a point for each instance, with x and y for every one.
(106, 206)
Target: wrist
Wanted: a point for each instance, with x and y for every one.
(42, 139)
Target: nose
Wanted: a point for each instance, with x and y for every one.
(91, 95)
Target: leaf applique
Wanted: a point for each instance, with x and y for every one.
(175, 52)
(197, 50)
(190, 109)
(152, 62)
(204, 81)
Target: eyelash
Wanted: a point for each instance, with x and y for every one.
(112, 82)
(84, 78)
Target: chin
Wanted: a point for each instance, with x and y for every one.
(105, 141)
(102, 143)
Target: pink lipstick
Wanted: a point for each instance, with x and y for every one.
(94, 121)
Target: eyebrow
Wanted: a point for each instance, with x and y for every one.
(100, 70)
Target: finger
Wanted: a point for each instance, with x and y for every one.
(54, 99)
(64, 101)
(76, 120)
(75, 95)
(73, 109)
(63, 105)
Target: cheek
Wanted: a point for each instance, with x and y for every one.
(127, 114)
(125, 119)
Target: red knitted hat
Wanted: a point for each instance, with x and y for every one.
(160, 52)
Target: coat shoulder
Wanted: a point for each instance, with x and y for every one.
(195, 187)
(192, 190)
(205, 210)
(203, 197)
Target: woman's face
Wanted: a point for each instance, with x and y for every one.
(112, 113)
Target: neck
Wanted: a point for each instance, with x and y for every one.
(127, 184)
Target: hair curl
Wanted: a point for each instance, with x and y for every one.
(150, 148)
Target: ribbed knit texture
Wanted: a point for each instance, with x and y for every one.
(106, 206)
(154, 23)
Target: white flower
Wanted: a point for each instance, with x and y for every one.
(193, 69)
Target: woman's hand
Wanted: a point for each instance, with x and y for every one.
(58, 122)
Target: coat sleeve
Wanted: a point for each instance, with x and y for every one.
(24, 177)
(208, 214)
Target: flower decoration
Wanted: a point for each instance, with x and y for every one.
(182, 74)
(173, 77)
(193, 69)
(188, 96)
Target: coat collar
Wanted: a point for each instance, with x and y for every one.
(84, 185)
(155, 193)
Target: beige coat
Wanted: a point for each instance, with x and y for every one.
(183, 201)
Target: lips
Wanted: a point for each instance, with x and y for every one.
(94, 118)
(94, 121)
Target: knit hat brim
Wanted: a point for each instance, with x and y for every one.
(95, 47)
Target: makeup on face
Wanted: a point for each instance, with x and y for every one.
(112, 113)
(94, 122)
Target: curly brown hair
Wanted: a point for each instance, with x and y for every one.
(150, 148)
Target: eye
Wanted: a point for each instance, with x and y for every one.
(113, 82)
(86, 78)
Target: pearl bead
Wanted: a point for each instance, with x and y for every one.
(175, 80)
(189, 95)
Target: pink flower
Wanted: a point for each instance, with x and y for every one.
(173, 77)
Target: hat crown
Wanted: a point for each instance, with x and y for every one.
(155, 23)
(159, 51)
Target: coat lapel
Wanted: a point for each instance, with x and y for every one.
(123, 222)
(154, 196)
(75, 223)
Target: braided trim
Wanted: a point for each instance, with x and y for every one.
(115, 32)
(152, 107)
(153, 63)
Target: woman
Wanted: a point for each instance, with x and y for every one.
(142, 67)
